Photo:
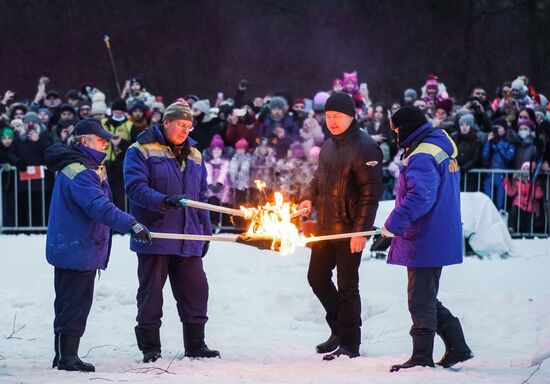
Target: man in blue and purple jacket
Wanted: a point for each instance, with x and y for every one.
(426, 231)
(160, 169)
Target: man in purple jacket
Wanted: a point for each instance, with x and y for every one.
(427, 233)
(160, 169)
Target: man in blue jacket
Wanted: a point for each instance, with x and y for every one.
(160, 169)
(80, 225)
(427, 233)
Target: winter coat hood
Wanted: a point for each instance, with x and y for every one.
(437, 137)
(59, 155)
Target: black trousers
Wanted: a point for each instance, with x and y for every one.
(188, 283)
(342, 304)
(427, 313)
(74, 293)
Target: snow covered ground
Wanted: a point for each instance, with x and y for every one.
(266, 322)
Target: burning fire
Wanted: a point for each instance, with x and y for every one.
(273, 220)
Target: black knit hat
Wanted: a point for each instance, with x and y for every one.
(341, 102)
(406, 120)
(119, 105)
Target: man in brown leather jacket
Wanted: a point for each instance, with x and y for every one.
(345, 192)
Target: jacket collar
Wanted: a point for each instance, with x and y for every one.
(348, 134)
(154, 134)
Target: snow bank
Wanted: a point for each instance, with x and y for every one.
(266, 322)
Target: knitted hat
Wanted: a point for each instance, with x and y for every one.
(217, 142)
(72, 94)
(526, 122)
(178, 110)
(241, 143)
(467, 119)
(158, 106)
(136, 80)
(45, 110)
(119, 105)
(341, 102)
(445, 104)
(31, 117)
(7, 132)
(298, 101)
(501, 122)
(321, 98)
(138, 105)
(518, 84)
(407, 119)
(67, 108)
(98, 108)
(410, 93)
(277, 102)
(431, 80)
(66, 123)
(202, 106)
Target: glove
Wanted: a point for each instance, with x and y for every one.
(387, 234)
(215, 188)
(205, 248)
(172, 202)
(140, 233)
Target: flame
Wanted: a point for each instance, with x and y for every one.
(274, 220)
(260, 185)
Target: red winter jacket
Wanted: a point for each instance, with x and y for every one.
(524, 198)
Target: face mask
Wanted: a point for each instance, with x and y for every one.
(118, 119)
(524, 134)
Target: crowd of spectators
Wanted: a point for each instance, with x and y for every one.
(276, 138)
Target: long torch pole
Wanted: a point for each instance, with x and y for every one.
(342, 236)
(107, 41)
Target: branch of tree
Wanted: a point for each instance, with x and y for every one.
(532, 374)
(14, 331)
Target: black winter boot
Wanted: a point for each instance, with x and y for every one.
(193, 340)
(456, 349)
(423, 347)
(341, 352)
(68, 355)
(56, 348)
(148, 341)
(330, 345)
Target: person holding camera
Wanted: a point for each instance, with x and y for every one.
(474, 106)
(497, 153)
(78, 243)
(30, 146)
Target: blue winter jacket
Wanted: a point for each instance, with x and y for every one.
(151, 173)
(426, 219)
(287, 122)
(81, 211)
(498, 155)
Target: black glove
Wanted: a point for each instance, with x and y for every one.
(172, 202)
(216, 188)
(205, 248)
(140, 233)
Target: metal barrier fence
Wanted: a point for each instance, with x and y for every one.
(25, 204)
(526, 214)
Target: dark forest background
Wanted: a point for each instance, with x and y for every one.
(299, 46)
